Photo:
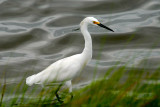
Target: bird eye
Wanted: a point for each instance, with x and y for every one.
(94, 22)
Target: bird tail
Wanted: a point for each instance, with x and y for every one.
(30, 80)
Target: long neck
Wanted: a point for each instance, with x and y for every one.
(87, 52)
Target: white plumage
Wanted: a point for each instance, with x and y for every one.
(58, 72)
(66, 69)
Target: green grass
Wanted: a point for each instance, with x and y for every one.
(132, 91)
(120, 87)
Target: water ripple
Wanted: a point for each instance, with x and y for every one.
(36, 33)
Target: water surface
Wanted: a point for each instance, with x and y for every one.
(36, 33)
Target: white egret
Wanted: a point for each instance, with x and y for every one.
(64, 70)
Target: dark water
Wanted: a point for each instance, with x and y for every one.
(36, 33)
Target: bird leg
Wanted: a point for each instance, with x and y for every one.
(71, 95)
(69, 85)
(56, 92)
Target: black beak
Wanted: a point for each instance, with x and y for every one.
(101, 25)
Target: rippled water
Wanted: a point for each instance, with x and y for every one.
(36, 33)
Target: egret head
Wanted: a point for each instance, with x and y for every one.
(91, 20)
(94, 21)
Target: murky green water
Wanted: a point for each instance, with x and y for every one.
(36, 33)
